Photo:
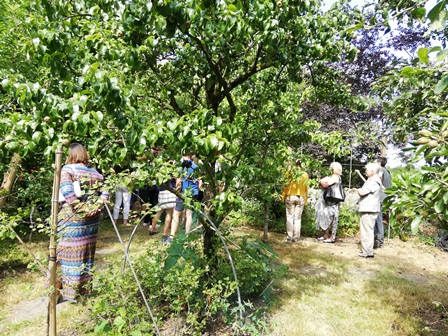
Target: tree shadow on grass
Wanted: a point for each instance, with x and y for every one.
(415, 295)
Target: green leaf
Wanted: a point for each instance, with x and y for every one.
(97, 115)
(170, 262)
(439, 206)
(231, 8)
(123, 152)
(171, 125)
(214, 142)
(441, 56)
(408, 71)
(86, 118)
(441, 85)
(36, 136)
(445, 197)
(415, 223)
(438, 24)
(435, 12)
(422, 54)
(419, 13)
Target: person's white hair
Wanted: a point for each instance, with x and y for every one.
(336, 167)
(374, 167)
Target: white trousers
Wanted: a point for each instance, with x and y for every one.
(122, 197)
(294, 208)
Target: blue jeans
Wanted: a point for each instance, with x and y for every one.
(379, 227)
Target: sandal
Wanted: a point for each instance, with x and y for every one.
(328, 240)
(151, 233)
(321, 238)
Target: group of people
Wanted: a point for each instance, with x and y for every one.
(371, 196)
(81, 198)
(163, 200)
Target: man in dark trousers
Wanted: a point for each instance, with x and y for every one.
(386, 180)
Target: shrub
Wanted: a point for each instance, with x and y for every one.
(348, 221)
(252, 215)
(178, 282)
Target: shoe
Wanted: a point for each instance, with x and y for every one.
(145, 224)
(362, 255)
(167, 240)
(376, 242)
(151, 233)
(328, 240)
(288, 240)
(321, 238)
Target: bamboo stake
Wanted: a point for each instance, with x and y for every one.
(52, 248)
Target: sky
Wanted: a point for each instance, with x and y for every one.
(327, 3)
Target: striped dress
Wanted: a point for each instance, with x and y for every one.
(77, 233)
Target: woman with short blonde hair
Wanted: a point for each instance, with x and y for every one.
(336, 167)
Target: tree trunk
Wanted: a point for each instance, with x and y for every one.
(9, 178)
(210, 236)
(266, 222)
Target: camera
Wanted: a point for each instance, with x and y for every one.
(187, 163)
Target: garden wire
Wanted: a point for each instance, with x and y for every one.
(132, 269)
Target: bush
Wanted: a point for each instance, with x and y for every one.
(252, 214)
(178, 283)
(348, 221)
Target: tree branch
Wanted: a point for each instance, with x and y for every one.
(221, 80)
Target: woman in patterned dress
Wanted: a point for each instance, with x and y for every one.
(78, 222)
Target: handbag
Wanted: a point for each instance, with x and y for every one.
(334, 193)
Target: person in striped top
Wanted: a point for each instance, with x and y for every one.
(81, 200)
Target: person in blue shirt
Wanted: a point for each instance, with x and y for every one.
(190, 184)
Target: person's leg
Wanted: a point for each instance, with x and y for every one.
(126, 205)
(289, 218)
(168, 217)
(334, 223)
(167, 225)
(155, 220)
(117, 205)
(367, 226)
(144, 199)
(179, 208)
(175, 222)
(298, 210)
(189, 220)
(379, 228)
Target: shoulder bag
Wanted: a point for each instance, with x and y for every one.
(334, 193)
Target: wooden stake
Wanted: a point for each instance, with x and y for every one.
(52, 247)
(10, 177)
